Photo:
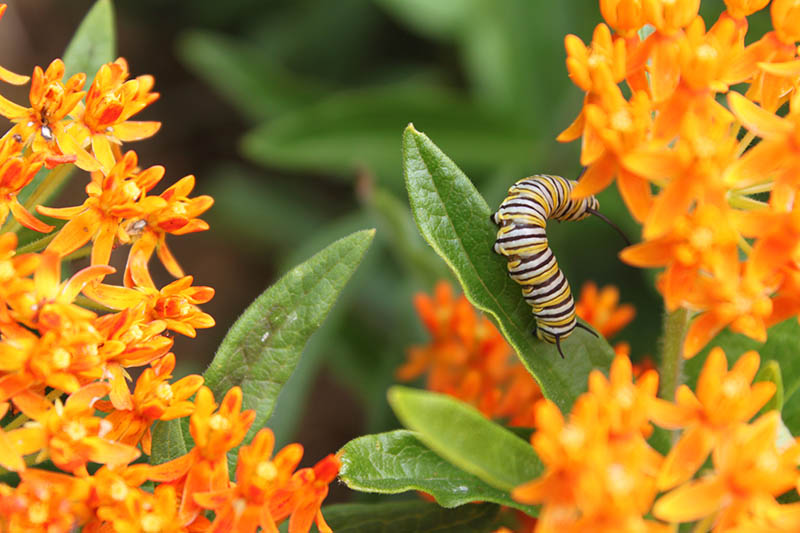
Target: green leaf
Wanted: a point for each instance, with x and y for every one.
(94, 42)
(356, 130)
(262, 348)
(435, 19)
(771, 371)
(454, 219)
(463, 436)
(396, 461)
(409, 517)
(169, 441)
(244, 75)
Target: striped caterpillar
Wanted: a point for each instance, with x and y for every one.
(522, 239)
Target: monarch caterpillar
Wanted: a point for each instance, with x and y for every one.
(522, 239)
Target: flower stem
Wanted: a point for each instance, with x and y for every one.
(676, 324)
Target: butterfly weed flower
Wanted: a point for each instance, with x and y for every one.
(750, 471)
(111, 198)
(153, 398)
(723, 400)
(468, 358)
(112, 99)
(205, 467)
(43, 127)
(600, 473)
(69, 433)
(601, 309)
(690, 154)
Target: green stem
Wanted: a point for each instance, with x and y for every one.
(676, 324)
(49, 185)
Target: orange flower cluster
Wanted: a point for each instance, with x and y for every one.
(601, 475)
(469, 359)
(677, 126)
(64, 393)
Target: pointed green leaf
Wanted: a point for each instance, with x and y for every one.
(464, 437)
(262, 348)
(94, 42)
(396, 461)
(454, 219)
(409, 517)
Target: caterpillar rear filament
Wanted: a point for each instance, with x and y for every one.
(522, 239)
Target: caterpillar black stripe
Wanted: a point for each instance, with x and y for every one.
(522, 239)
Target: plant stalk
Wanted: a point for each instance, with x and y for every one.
(676, 324)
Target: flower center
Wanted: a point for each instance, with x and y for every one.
(702, 238)
(621, 120)
(266, 470)
(61, 358)
(37, 513)
(75, 430)
(151, 523)
(119, 491)
(164, 392)
(219, 422)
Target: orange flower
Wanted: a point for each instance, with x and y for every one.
(777, 154)
(14, 272)
(601, 309)
(10, 458)
(16, 172)
(302, 501)
(205, 468)
(172, 212)
(706, 240)
(600, 472)
(750, 470)
(156, 512)
(69, 433)
(112, 99)
(245, 506)
(469, 359)
(744, 305)
(175, 304)
(42, 126)
(153, 399)
(625, 16)
(44, 502)
(725, 399)
(111, 198)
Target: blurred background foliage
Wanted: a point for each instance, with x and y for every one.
(290, 113)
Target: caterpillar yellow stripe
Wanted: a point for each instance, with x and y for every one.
(522, 239)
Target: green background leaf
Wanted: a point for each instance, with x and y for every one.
(454, 219)
(396, 461)
(94, 42)
(463, 436)
(261, 350)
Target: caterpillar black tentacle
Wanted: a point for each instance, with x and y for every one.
(522, 239)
